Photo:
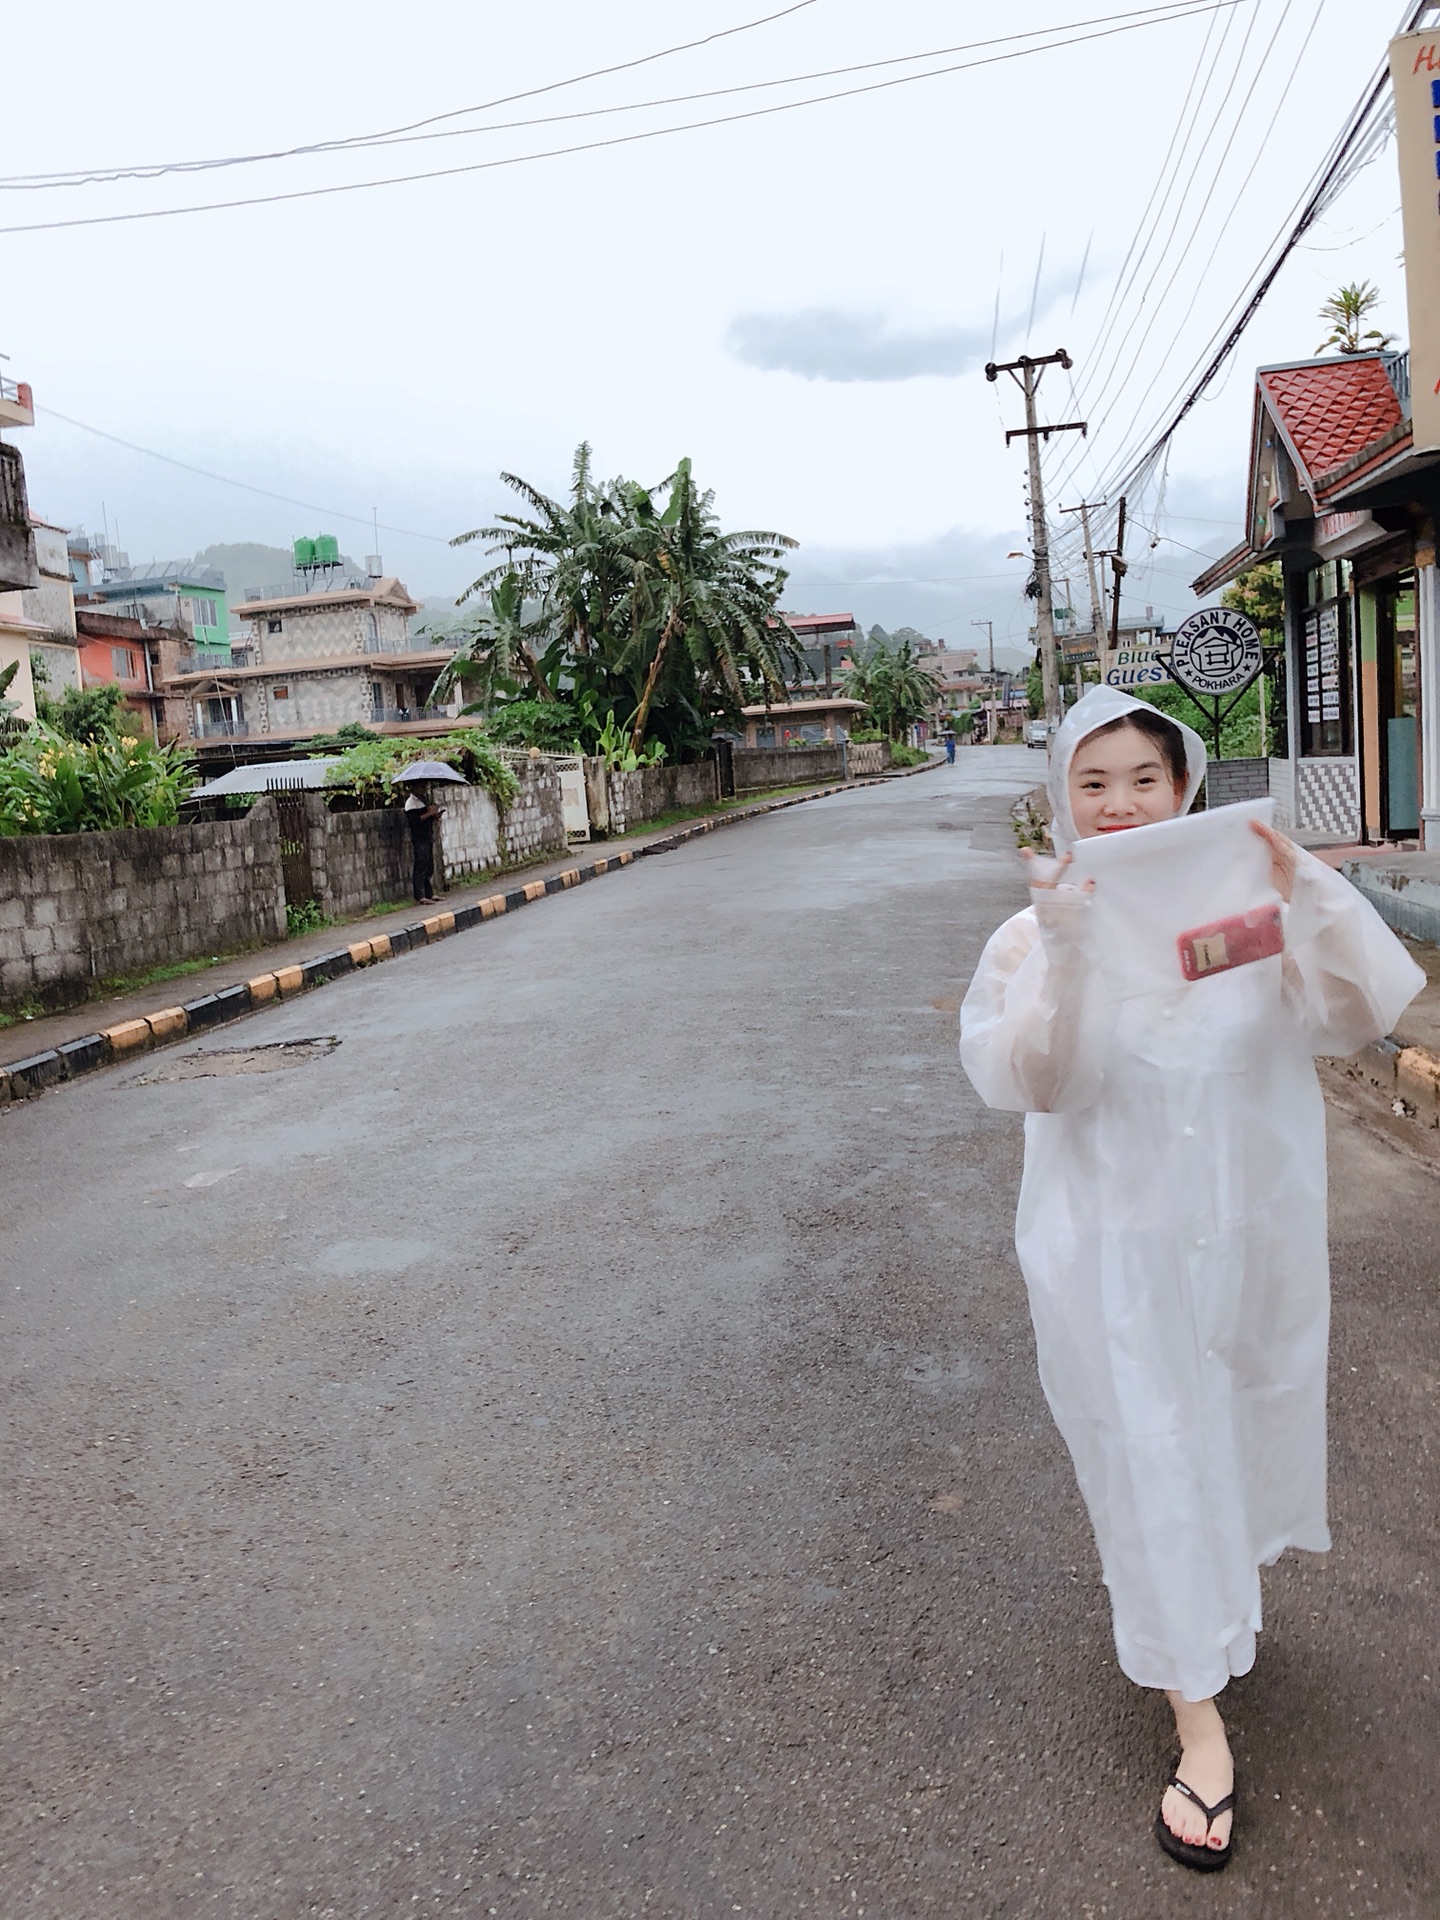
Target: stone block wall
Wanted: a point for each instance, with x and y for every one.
(647, 792)
(868, 757)
(534, 822)
(470, 831)
(1229, 780)
(77, 907)
(759, 768)
(360, 859)
(356, 859)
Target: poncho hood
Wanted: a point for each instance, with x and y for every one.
(1096, 709)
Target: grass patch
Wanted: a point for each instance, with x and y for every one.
(679, 815)
(153, 976)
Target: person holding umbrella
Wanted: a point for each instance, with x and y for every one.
(422, 814)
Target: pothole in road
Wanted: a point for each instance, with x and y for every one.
(210, 1064)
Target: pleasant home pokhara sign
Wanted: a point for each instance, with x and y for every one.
(1216, 651)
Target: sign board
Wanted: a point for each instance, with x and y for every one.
(1415, 74)
(1131, 667)
(1216, 651)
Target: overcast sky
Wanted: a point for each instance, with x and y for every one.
(801, 302)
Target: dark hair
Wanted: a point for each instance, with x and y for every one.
(1166, 735)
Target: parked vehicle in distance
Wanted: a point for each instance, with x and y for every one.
(1037, 733)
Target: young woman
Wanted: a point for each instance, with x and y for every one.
(1172, 1233)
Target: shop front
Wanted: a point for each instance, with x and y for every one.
(1340, 500)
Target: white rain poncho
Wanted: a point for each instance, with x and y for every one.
(1171, 1225)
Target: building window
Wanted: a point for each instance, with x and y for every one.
(280, 693)
(274, 626)
(202, 613)
(1325, 663)
(122, 663)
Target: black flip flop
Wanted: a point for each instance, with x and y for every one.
(1205, 1859)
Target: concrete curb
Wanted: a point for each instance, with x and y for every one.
(1406, 1078)
(23, 1079)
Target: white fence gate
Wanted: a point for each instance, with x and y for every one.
(571, 769)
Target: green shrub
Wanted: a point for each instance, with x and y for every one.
(902, 755)
(50, 784)
(304, 918)
(369, 769)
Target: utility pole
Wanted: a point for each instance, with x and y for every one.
(1097, 597)
(1117, 561)
(1026, 372)
(989, 626)
(992, 727)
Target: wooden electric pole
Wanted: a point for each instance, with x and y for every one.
(1026, 372)
(1097, 595)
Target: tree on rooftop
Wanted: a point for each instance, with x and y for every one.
(1346, 311)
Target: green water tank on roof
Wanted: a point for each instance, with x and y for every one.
(304, 553)
(327, 550)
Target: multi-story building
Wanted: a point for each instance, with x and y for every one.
(50, 606)
(142, 660)
(171, 594)
(311, 662)
(19, 572)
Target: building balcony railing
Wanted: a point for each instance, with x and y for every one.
(17, 403)
(222, 729)
(216, 660)
(379, 715)
(1397, 366)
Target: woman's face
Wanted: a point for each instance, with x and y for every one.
(1120, 780)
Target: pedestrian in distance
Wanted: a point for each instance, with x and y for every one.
(1171, 1226)
(950, 749)
(423, 814)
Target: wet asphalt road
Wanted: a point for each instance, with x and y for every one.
(574, 1449)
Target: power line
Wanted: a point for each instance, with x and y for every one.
(330, 513)
(37, 183)
(1295, 66)
(1129, 25)
(82, 177)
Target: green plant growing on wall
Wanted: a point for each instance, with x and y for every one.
(50, 784)
(1346, 312)
(617, 749)
(369, 769)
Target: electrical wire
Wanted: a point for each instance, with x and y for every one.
(1361, 138)
(1188, 252)
(1184, 12)
(1180, 133)
(1100, 373)
(330, 513)
(1143, 304)
(599, 113)
(84, 177)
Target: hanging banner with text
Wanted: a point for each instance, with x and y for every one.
(1415, 75)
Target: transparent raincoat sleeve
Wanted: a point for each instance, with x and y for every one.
(1347, 979)
(1027, 1040)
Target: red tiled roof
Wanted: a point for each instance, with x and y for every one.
(1331, 411)
(819, 622)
